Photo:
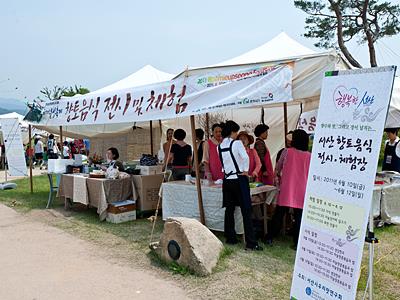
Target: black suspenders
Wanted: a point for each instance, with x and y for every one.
(233, 160)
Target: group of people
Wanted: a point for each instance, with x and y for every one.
(54, 150)
(227, 157)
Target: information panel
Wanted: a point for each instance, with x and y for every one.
(351, 118)
(14, 148)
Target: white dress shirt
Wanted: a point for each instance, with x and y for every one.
(240, 154)
(394, 143)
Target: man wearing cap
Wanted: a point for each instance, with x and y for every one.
(391, 159)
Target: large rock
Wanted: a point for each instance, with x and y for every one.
(191, 244)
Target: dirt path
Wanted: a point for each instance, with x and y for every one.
(42, 262)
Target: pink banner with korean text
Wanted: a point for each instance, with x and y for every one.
(348, 134)
(213, 90)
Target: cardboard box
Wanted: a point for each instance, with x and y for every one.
(147, 189)
(121, 206)
(150, 170)
(121, 217)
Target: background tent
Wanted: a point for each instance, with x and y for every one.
(309, 68)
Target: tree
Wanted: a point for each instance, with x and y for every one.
(54, 93)
(72, 91)
(57, 92)
(336, 22)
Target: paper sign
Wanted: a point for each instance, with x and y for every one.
(347, 141)
(14, 148)
(308, 121)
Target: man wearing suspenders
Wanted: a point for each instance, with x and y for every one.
(235, 187)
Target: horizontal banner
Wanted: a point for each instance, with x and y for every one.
(182, 97)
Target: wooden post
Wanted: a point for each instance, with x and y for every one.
(196, 166)
(207, 126)
(151, 138)
(61, 136)
(285, 120)
(30, 158)
(160, 124)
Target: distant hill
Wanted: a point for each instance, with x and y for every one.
(12, 105)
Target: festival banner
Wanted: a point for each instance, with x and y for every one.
(351, 118)
(188, 95)
(14, 148)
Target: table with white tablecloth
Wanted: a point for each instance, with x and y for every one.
(386, 203)
(180, 200)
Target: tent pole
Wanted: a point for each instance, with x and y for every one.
(207, 126)
(151, 138)
(196, 165)
(30, 158)
(160, 124)
(61, 136)
(285, 120)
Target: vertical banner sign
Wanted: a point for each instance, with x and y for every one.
(14, 149)
(351, 118)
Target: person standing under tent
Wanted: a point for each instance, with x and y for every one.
(267, 171)
(255, 162)
(288, 144)
(66, 151)
(211, 161)
(52, 148)
(235, 187)
(291, 181)
(180, 156)
(38, 151)
(167, 147)
(391, 159)
(200, 147)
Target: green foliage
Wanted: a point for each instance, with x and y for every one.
(57, 92)
(72, 91)
(335, 22)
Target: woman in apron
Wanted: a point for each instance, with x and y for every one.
(267, 170)
(235, 187)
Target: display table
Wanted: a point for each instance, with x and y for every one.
(146, 192)
(95, 192)
(180, 200)
(386, 203)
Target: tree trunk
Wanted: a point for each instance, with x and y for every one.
(368, 33)
(342, 46)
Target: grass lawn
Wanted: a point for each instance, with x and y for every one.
(239, 274)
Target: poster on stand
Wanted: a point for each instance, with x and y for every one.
(14, 148)
(347, 141)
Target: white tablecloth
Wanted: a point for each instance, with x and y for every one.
(180, 200)
(386, 203)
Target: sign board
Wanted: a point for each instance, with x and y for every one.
(14, 148)
(308, 121)
(216, 89)
(351, 118)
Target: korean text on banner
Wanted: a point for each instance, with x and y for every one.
(212, 90)
(342, 172)
(14, 148)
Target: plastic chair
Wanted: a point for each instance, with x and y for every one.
(53, 188)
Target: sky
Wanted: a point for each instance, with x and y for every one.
(94, 43)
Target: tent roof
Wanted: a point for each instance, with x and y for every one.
(15, 115)
(146, 75)
(280, 47)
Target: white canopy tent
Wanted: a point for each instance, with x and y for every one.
(308, 70)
